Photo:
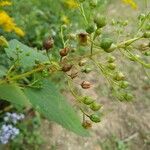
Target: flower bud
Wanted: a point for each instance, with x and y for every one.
(85, 85)
(95, 118)
(48, 43)
(95, 106)
(64, 52)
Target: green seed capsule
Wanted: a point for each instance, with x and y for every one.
(100, 21)
(90, 29)
(111, 59)
(128, 96)
(93, 3)
(147, 53)
(119, 76)
(146, 34)
(95, 106)
(106, 43)
(87, 100)
(124, 84)
(95, 118)
(111, 66)
(111, 49)
(86, 70)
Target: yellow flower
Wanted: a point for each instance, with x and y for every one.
(9, 25)
(72, 3)
(19, 31)
(5, 3)
(65, 20)
(3, 41)
(131, 3)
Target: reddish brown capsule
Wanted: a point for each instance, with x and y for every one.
(66, 67)
(83, 38)
(85, 85)
(48, 43)
(87, 124)
(64, 52)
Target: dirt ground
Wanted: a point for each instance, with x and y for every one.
(124, 126)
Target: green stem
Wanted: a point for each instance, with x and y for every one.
(128, 42)
(83, 13)
(139, 60)
(17, 77)
(62, 36)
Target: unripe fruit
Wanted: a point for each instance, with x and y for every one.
(48, 43)
(95, 106)
(128, 96)
(90, 29)
(119, 76)
(87, 70)
(141, 16)
(95, 118)
(148, 26)
(146, 34)
(111, 49)
(85, 85)
(111, 59)
(98, 32)
(124, 84)
(100, 21)
(147, 53)
(111, 66)
(106, 43)
(64, 52)
(87, 124)
(66, 67)
(87, 100)
(93, 3)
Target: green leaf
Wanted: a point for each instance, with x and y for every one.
(13, 94)
(27, 55)
(3, 71)
(53, 105)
